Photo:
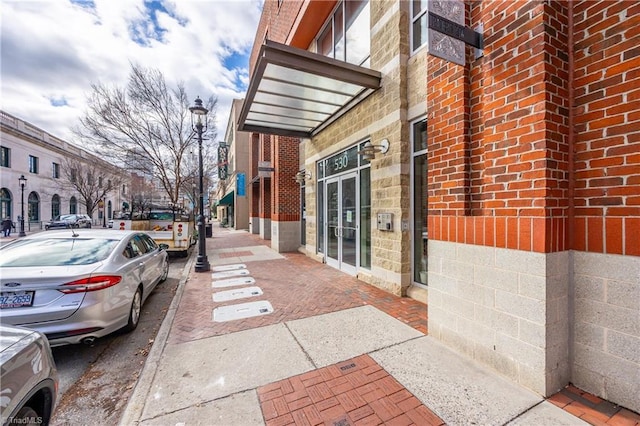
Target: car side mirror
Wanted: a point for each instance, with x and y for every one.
(163, 246)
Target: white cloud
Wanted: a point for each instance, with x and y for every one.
(52, 50)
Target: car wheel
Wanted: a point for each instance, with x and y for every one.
(134, 312)
(89, 225)
(25, 416)
(165, 271)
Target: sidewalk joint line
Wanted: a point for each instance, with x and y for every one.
(525, 411)
(315, 367)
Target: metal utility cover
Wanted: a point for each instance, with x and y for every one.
(229, 267)
(227, 274)
(232, 282)
(240, 293)
(242, 311)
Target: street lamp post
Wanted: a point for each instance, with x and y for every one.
(197, 113)
(23, 182)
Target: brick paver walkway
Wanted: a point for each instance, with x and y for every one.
(353, 392)
(297, 287)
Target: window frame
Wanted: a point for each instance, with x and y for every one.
(5, 156)
(55, 170)
(418, 16)
(330, 27)
(33, 164)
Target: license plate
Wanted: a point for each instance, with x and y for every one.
(16, 299)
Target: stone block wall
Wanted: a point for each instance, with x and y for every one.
(607, 326)
(494, 305)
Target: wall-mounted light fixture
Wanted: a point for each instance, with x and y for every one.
(369, 150)
(302, 175)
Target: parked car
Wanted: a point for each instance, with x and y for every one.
(110, 223)
(70, 221)
(29, 377)
(80, 285)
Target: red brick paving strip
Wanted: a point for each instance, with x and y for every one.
(593, 409)
(355, 392)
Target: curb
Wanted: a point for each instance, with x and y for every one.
(137, 400)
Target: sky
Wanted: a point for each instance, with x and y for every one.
(53, 50)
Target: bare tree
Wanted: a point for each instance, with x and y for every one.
(145, 127)
(91, 180)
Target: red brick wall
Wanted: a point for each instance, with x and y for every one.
(498, 151)
(607, 146)
(265, 183)
(275, 24)
(500, 170)
(254, 155)
(286, 191)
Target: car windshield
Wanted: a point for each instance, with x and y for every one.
(64, 217)
(56, 252)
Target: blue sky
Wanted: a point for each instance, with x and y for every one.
(53, 50)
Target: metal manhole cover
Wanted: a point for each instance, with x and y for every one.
(242, 311)
(239, 293)
(232, 282)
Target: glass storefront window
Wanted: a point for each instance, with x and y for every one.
(420, 235)
(342, 162)
(320, 222)
(365, 218)
(420, 136)
(420, 231)
(33, 214)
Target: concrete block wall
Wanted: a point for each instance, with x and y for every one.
(607, 326)
(494, 305)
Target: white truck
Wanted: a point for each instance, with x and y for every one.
(165, 227)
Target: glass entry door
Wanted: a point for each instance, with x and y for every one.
(342, 223)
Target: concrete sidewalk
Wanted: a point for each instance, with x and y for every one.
(332, 350)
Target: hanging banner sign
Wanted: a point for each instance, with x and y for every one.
(240, 185)
(222, 162)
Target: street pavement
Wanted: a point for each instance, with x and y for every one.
(322, 348)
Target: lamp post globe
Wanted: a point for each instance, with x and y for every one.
(197, 113)
(23, 181)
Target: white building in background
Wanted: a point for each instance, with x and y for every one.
(28, 151)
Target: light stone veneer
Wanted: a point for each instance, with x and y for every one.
(265, 228)
(607, 327)
(285, 236)
(505, 308)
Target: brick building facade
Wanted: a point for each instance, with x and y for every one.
(524, 204)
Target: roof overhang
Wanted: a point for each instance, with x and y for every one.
(294, 92)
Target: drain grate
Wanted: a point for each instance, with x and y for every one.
(227, 274)
(242, 311)
(229, 267)
(232, 282)
(240, 293)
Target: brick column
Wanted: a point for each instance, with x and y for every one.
(285, 217)
(498, 201)
(254, 190)
(265, 190)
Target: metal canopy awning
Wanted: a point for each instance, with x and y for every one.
(294, 92)
(227, 200)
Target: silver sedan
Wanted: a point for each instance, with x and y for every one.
(78, 285)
